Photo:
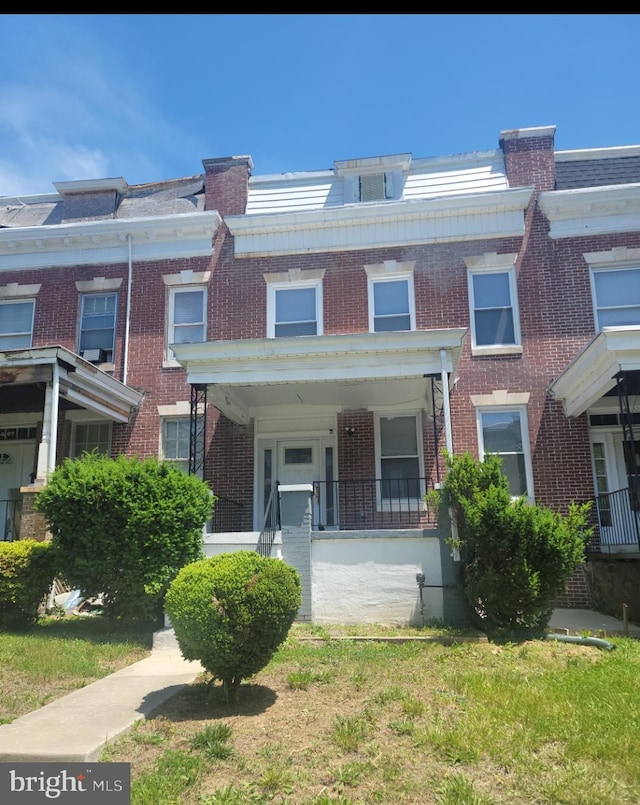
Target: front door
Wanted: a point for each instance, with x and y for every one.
(297, 461)
(16, 462)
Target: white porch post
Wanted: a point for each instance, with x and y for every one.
(48, 443)
(448, 436)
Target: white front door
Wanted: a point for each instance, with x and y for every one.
(16, 462)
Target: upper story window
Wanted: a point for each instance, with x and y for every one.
(616, 295)
(504, 432)
(16, 323)
(493, 303)
(294, 303)
(373, 178)
(187, 315)
(98, 326)
(391, 296)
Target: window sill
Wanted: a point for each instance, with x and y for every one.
(171, 365)
(515, 349)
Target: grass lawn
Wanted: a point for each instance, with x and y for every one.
(350, 722)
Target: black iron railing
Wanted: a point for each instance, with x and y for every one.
(615, 517)
(10, 511)
(372, 503)
(271, 523)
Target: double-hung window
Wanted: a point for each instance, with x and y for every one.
(399, 458)
(494, 320)
(175, 442)
(391, 304)
(90, 437)
(16, 324)
(616, 293)
(98, 326)
(504, 432)
(187, 315)
(294, 308)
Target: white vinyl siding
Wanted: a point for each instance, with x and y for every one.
(16, 324)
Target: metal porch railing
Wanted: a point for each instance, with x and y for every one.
(10, 511)
(615, 516)
(271, 523)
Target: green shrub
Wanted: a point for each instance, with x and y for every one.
(26, 574)
(123, 528)
(517, 556)
(232, 611)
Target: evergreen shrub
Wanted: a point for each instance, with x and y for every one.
(26, 574)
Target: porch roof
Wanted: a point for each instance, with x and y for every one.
(81, 384)
(592, 373)
(361, 370)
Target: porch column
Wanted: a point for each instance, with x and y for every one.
(295, 516)
(448, 437)
(48, 443)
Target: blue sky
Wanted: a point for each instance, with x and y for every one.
(148, 97)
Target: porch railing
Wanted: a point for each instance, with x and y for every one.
(372, 503)
(10, 511)
(271, 523)
(228, 516)
(615, 517)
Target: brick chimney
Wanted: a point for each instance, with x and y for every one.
(529, 157)
(226, 184)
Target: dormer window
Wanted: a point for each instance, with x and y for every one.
(373, 179)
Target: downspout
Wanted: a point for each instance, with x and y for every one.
(598, 642)
(125, 368)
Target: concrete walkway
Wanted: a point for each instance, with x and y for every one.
(78, 726)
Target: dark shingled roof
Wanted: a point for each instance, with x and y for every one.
(575, 173)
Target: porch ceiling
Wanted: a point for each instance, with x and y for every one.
(591, 374)
(361, 370)
(81, 384)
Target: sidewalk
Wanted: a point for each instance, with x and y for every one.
(78, 726)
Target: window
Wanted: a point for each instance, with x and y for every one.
(187, 315)
(373, 187)
(391, 304)
(616, 294)
(399, 458)
(493, 306)
(16, 324)
(175, 442)
(91, 436)
(505, 433)
(294, 308)
(98, 326)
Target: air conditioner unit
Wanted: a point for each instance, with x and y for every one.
(94, 355)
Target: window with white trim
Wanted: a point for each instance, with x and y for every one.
(175, 442)
(616, 296)
(89, 437)
(294, 308)
(493, 302)
(98, 326)
(399, 457)
(391, 303)
(16, 324)
(187, 315)
(504, 432)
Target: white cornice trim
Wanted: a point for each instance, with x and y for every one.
(592, 211)
(97, 242)
(584, 154)
(116, 184)
(358, 226)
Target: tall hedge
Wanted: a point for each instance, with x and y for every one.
(517, 556)
(26, 574)
(122, 528)
(232, 611)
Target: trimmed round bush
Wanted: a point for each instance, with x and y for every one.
(26, 574)
(232, 611)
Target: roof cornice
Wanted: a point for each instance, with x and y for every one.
(592, 211)
(356, 226)
(106, 241)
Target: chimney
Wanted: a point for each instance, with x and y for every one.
(227, 184)
(529, 157)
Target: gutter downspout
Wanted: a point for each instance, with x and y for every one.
(125, 368)
(583, 641)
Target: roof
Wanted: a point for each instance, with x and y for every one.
(597, 167)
